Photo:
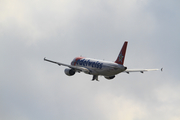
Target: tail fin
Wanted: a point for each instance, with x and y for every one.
(121, 56)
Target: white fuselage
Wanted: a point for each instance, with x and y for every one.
(98, 67)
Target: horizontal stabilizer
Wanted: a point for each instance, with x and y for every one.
(140, 70)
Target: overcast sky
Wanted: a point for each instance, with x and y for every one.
(31, 89)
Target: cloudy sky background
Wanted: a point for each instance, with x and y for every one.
(31, 89)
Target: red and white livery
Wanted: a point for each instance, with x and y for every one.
(99, 67)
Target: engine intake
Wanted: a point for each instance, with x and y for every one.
(69, 72)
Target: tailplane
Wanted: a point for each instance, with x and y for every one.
(121, 56)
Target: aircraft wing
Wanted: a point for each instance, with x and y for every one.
(76, 68)
(140, 70)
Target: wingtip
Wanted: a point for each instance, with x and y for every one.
(161, 69)
(44, 58)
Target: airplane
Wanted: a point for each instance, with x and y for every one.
(100, 67)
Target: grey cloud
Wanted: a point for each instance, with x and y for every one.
(61, 30)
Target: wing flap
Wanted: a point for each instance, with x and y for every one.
(70, 66)
(76, 68)
(57, 63)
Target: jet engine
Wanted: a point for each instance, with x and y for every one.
(69, 72)
(109, 77)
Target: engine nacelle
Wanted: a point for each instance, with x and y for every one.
(69, 72)
(109, 77)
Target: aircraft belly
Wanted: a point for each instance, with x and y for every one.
(108, 72)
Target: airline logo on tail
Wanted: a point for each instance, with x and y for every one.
(121, 56)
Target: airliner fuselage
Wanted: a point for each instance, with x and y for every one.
(98, 67)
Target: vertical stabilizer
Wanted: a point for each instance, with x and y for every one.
(121, 56)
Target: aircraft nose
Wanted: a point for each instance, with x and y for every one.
(72, 63)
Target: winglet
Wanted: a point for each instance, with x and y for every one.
(121, 56)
